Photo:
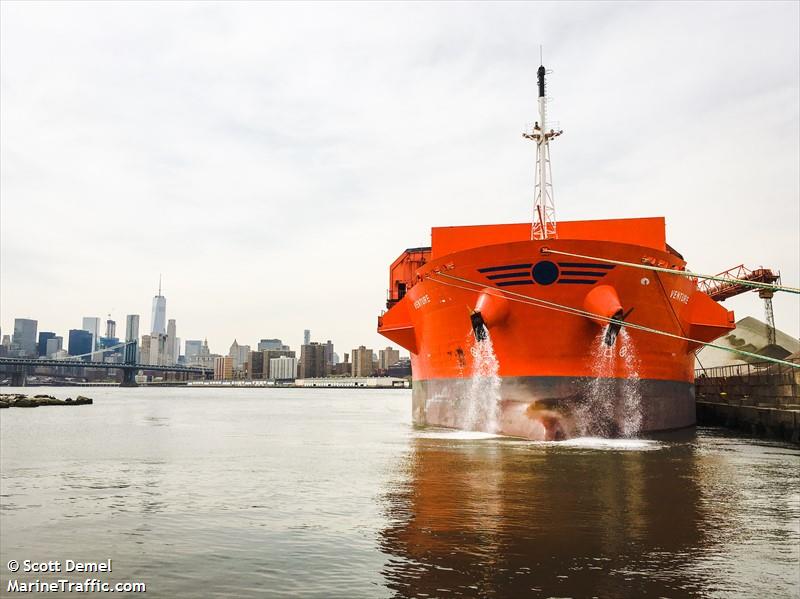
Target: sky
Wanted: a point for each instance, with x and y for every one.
(271, 160)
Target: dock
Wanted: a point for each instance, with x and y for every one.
(761, 399)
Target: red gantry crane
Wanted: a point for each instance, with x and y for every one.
(722, 290)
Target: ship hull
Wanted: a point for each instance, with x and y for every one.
(555, 408)
(523, 338)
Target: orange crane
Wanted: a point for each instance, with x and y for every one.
(722, 290)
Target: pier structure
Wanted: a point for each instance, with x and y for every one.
(759, 398)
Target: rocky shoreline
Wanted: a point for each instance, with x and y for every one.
(20, 400)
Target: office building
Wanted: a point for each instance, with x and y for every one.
(53, 346)
(239, 354)
(266, 344)
(41, 346)
(158, 316)
(144, 351)
(329, 352)
(79, 343)
(111, 328)
(283, 368)
(388, 357)
(363, 365)
(192, 349)
(132, 335)
(255, 365)
(158, 350)
(92, 324)
(172, 346)
(307, 337)
(312, 361)
(25, 336)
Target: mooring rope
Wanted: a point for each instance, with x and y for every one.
(538, 302)
(683, 273)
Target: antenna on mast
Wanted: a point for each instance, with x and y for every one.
(159, 284)
(543, 224)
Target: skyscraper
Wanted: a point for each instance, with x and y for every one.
(80, 343)
(307, 337)
(329, 352)
(158, 319)
(92, 324)
(54, 345)
(172, 341)
(131, 334)
(312, 361)
(44, 337)
(111, 328)
(25, 335)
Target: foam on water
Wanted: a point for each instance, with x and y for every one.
(456, 435)
(483, 392)
(612, 398)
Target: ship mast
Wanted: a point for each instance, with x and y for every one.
(544, 211)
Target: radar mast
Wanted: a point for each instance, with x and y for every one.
(544, 211)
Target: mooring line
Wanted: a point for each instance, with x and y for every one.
(537, 302)
(683, 273)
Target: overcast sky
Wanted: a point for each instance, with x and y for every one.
(271, 160)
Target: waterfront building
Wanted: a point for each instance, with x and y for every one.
(223, 368)
(53, 346)
(92, 324)
(111, 328)
(41, 346)
(25, 336)
(363, 365)
(158, 317)
(283, 368)
(131, 334)
(271, 354)
(342, 369)
(388, 357)
(79, 343)
(402, 369)
(312, 361)
(307, 337)
(329, 352)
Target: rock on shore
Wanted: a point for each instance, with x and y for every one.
(20, 400)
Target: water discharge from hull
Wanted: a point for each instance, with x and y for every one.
(483, 393)
(612, 402)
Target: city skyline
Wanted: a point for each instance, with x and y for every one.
(269, 157)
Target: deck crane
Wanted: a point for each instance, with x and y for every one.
(722, 290)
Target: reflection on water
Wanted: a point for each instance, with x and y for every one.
(591, 518)
(332, 493)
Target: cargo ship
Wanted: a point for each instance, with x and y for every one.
(551, 329)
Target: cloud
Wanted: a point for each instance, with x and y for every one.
(273, 159)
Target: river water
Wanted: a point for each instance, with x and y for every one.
(332, 493)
